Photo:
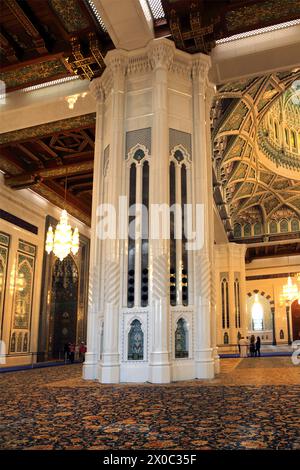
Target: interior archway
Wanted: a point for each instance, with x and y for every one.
(64, 300)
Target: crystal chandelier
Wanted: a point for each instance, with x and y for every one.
(62, 241)
(290, 290)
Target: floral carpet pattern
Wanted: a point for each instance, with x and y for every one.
(55, 409)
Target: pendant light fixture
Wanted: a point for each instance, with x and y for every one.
(62, 241)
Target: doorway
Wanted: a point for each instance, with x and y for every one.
(64, 303)
(296, 320)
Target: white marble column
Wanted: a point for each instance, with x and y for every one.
(91, 357)
(204, 360)
(160, 56)
(209, 96)
(243, 293)
(231, 279)
(109, 369)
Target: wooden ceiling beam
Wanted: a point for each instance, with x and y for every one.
(49, 173)
(28, 25)
(9, 50)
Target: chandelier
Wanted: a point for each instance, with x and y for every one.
(290, 291)
(62, 241)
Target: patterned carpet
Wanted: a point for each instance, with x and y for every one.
(55, 409)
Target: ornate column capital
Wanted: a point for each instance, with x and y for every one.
(116, 60)
(200, 67)
(161, 53)
(97, 90)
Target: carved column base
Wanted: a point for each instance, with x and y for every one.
(89, 370)
(204, 364)
(109, 369)
(159, 369)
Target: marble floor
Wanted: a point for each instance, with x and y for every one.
(252, 404)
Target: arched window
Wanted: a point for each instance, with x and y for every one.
(281, 334)
(237, 303)
(295, 225)
(276, 130)
(273, 226)
(181, 339)
(257, 314)
(179, 175)
(258, 229)
(226, 338)
(138, 252)
(293, 139)
(247, 230)
(135, 341)
(237, 231)
(284, 226)
(225, 303)
(287, 140)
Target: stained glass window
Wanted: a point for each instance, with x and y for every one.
(273, 226)
(136, 341)
(237, 230)
(247, 230)
(295, 225)
(258, 229)
(181, 339)
(284, 227)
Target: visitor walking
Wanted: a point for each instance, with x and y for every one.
(257, 347)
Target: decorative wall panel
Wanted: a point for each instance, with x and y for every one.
(22, 303)
(4, 250)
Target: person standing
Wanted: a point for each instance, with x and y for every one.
(82, 351)
(257, 347)
(243, 347)
(252, 346)
(66, 352)
(72, 353)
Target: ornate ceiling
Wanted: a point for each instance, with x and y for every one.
(45, 158)
(249, 188)
(195, 25)
(44, 40)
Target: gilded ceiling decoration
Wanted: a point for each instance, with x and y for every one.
(70, 14)
(43, 40)
(33, 73)
(256, 150)
(196, 25)
(48, 128)
(269, 11)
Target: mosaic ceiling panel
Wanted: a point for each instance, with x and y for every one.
(250, 189)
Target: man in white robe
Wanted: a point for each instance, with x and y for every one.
(243, 347)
